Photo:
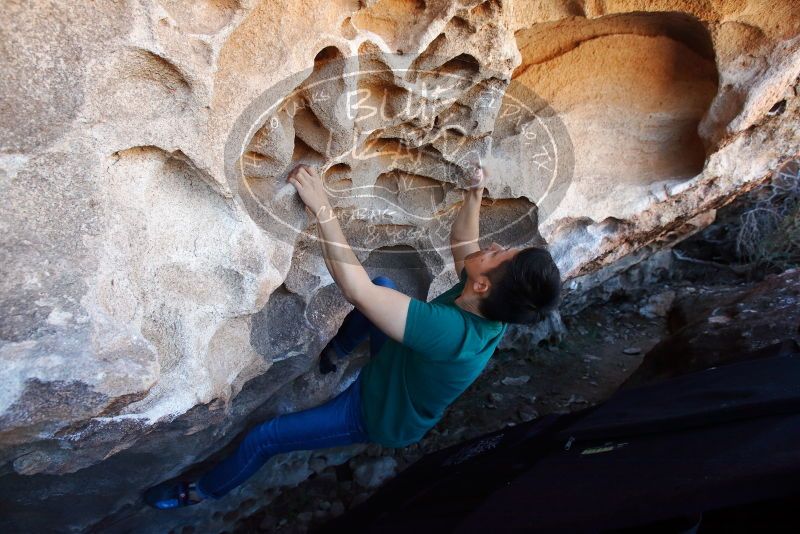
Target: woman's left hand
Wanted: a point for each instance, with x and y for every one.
(309, 186)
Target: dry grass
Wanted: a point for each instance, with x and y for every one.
(769, 235)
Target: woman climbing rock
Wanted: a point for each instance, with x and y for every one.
(423, 354)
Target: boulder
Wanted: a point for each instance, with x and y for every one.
(714, 327)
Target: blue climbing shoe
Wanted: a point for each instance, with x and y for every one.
(171, 494)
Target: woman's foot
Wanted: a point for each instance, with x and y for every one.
(172, 494)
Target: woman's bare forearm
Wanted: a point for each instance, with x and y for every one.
(466, 227)
(346, 270)
(340, 260)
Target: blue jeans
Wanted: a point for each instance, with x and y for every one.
(337, 422)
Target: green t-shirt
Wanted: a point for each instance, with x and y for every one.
(405, 388)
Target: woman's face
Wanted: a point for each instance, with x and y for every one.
(481, 262)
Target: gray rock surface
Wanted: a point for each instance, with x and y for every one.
(373, 472)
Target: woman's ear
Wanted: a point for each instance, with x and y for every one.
(481, 285)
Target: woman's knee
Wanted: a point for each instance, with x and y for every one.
(384, 281)
(261, 440)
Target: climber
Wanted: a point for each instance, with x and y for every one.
(423, 354)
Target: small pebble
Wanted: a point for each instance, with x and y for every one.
(632, 350)
(495, 397)
(516, 380)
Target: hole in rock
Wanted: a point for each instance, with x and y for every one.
(142, 76)
(631, 91)
(347, 29)
(201, 16)
(490, 8)
(404, 266)
(455, 74)
(394, 20)
(280, 328)
(305, 154)
(325, 78)
(313, 133)
(327, 54)
(778, 108)
(379, 103)
(456, 117)
(462, 25)
(429, 59)
(339, 171)
(462, 64)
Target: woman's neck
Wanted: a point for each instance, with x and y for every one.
(469, 301)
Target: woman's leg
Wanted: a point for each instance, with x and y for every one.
(337, 422)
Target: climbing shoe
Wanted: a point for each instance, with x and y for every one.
(172, 494)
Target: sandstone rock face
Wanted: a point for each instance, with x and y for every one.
(161, 284)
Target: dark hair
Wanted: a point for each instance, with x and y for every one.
(524, 289)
